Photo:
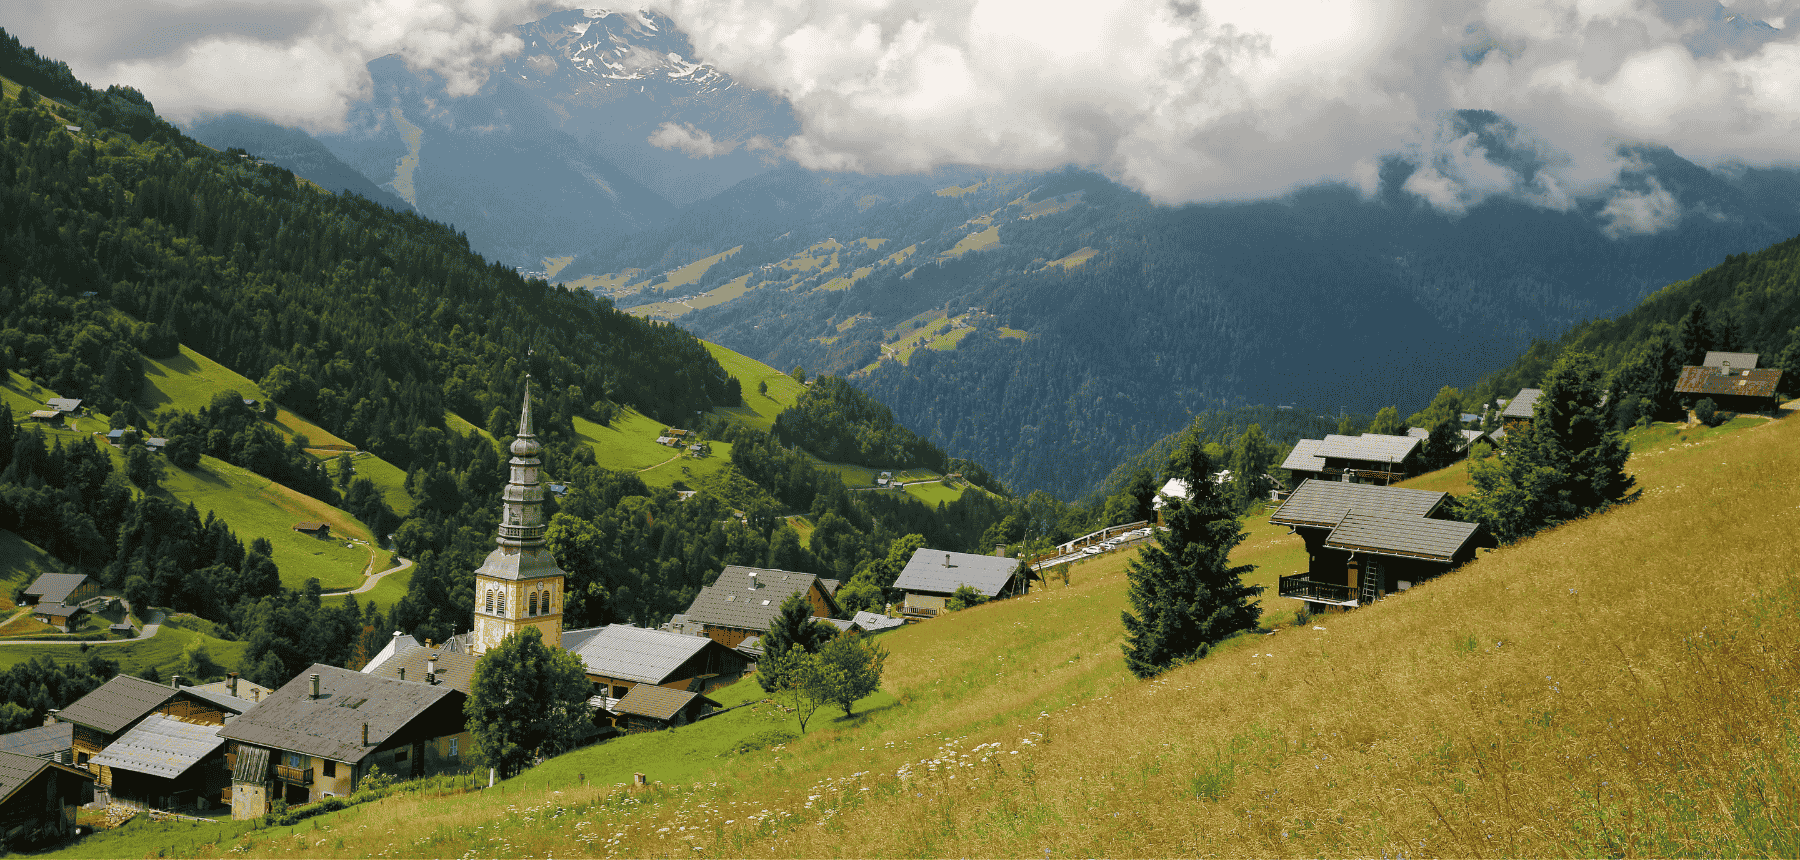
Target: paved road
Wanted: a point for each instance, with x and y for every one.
(369, 583)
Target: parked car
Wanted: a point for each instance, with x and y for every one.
(1092, 550)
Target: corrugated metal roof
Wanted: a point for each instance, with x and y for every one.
(1746, 383)
(1400, 535)
(1522, 403)
(1739, 360)
(161, 746)
(116, 704)
(730, 602)
(936, 571)
(55, 587)
(660, 703)
(1305, 456)
(331, 726)
(40, 742)
(1373, 447)
(639, 654)
(1318, 503)
(252, 764)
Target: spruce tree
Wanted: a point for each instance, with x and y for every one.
(793, 627)
(1185, 595)
(1569, 462)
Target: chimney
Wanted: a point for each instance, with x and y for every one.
(431, 670)
(365, 734)
(1000, 550)
(402, 673)
(175, 681)
(231, 682)
(428, 643)
(315, 684)
(753, 580)
(1726, 365)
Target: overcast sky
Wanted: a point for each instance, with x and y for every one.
(1183, 100)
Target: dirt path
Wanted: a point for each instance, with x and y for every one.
(370, 583)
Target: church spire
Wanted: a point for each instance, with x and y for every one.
(525, 414)
(522, 521)
(519, 585)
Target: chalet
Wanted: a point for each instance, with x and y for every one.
(61, 616)
(1370, 458)
(156, 444)
(1364, 541)
(69, 588)
(1467, 439)
(54, 742)
(650, 708)
(116, 437)
(620, 657)
(318, 530)
(1739, 360)
(319, 734)
(115, 707)
(38, 798)
(1519, 409)
(932, 575)
(1304, 462)
(745, 599)
(65, 405)
(47, 416)
(1732, 388)
(875, 622)
(165, 762)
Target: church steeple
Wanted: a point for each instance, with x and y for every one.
(520, 585)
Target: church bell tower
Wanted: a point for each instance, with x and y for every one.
(519, 585)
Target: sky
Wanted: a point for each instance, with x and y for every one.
(1186, 100)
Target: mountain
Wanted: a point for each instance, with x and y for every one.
(292, 149)
(1051, 325)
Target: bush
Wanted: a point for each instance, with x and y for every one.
(1708, 412)
(763, 740)
(964, 597)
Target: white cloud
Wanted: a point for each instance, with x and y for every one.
(1634, 212)
(685, 138)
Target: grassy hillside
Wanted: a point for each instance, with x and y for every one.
(1583, 692)
(21, 562)
(135, 658)
(760, 409)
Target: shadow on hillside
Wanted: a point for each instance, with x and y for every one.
(857, 719)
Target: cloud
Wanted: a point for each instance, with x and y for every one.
(1634, 212)
(301, 63)
(688, 139)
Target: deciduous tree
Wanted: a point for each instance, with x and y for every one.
(526, 699)
(793, 627)
(849, 668)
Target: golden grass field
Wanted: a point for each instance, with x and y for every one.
(1618, 686)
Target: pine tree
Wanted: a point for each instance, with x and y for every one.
(793, 627)
(1185, 595)
(1569, 462)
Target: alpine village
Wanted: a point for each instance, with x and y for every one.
(330, 529)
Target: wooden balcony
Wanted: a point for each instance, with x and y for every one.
(225, 795)
(1301, 588)
(295, 775)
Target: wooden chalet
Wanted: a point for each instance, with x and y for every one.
(68, 588)
(319, 734)
(165, 763)
(1304, 462)
(1518, 410)
(1371, 458)
(1364, 541)
(61, 616)
(745, 599)
(932, 575)
(647, 708)
(620, 658)
(316, 529)
(65, 405)
(38, 798)
(1732, 387)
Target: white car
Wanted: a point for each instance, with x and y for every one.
(1092, 550)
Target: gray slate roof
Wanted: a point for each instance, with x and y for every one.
(41, 742)
(936, 571)
(454, 669)
(161, 746)
(1321, 504)
(56, 610)
(1369, 446)
(222, 700)
(1403, 536)
(118, 703)
(1523, 403)
(875, 622)
(16, 770)
(1305, 456)
(331, 726)
(1739, 360)
(730, 602)
(515, 564)
(659, 703)
(55, 587)
(636, 653)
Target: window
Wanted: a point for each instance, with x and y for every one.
(546, 604)
(490, 601)
(501, 602)
(533, 608)
(329, 768)
(401, 753)
(453, 747)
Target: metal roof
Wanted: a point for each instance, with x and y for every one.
(55, 587)
(161, 746)
(875, 622)
(730, 602)
(1305, 456)
(637, 653)
(1738, 360)
(1744, 383)
(1522, 403)
(1322, 504)
(1373, 447)
(118, 703)
(40, 742)
(513, 563)
(331, 726)
(936, 571)
(660, 703)
(1400, 535)
(64, 404)
(454, 669)
(17, 770)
